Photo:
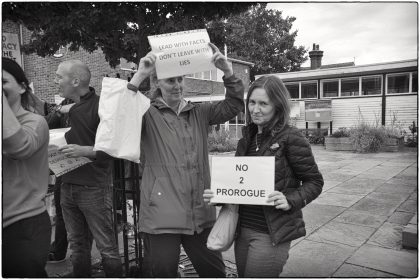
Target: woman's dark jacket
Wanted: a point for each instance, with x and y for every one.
(296, 176)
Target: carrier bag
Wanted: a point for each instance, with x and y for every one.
(223, 232)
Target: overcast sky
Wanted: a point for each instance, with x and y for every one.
(366, 32)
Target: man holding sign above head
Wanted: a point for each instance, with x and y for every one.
(266, 231)
(176, 171)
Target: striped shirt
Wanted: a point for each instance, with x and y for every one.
(252, 216)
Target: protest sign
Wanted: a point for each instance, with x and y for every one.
(57, 161)
(11, 47)
(181, 53)
(242, 180)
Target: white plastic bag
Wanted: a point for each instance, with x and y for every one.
(223, 232)
(121, 111)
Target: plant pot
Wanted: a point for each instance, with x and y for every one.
(338, 144)
(393, 144)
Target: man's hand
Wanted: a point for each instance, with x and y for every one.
(220, 61)
(74, 151)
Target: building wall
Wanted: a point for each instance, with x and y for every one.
(404, 108)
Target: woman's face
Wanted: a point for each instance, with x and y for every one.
(12, 89)
(261, 109)
(172, 89)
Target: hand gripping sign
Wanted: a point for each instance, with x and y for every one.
(242, 180)
(181, 53)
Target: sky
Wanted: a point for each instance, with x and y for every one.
(362, 32)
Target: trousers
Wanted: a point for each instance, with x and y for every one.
(161, 255)
(88, 209)
(25, 247)
(256, 256)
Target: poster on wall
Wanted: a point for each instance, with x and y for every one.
(181, 53)
(11, 47)
(318, 111)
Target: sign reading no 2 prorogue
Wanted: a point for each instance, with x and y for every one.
(181, 53)
(242, 180)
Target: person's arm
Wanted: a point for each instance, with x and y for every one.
(22, 140)
(220, 112)
(146, 67)
(302, 162)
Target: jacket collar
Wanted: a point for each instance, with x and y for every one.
(159, 103)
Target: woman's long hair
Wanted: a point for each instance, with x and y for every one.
(278, 95)
(28, 100)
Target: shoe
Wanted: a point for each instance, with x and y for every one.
(53, 259)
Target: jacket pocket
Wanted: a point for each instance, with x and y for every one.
(167, 206)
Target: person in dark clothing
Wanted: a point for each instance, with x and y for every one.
(86, 193)
(265, 232)
(57, 117)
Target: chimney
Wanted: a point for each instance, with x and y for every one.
(316, 57)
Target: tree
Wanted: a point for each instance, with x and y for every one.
(262, 37)
(119, 29)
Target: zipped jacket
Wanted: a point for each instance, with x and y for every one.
(176, 169)
(296, 176)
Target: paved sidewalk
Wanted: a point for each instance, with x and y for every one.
(354, 228)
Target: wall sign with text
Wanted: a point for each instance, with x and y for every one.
(242, 180)
(318, 110)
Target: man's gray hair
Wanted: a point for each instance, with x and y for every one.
(79, 69)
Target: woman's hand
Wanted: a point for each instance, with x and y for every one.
(208, 195)
(65, 108)
(220, 61)
(146, 68)
(73, 151)
(280, 201)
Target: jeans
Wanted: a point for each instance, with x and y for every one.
(25, 247)
(256, 257)
(89, 209)
(60, 244)
(161, 255)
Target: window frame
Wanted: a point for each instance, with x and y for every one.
(370, 76)
(294, 83)
(330, 80)
(308, 82)
(410, 83)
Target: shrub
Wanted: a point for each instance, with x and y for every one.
(317, 136)
(366, 138)
(341, 132)
(221, 141)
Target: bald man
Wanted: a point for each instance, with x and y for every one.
(86, 193)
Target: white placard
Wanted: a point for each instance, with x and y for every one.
(181, 53)
(11, 47)
(242, 180)
(57, 161)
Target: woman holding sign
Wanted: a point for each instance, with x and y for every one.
(265, 232)
(176, 171)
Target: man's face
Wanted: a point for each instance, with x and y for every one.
(64, 81)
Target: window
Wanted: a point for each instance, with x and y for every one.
(330, 88)
(350, 87)
(198, 75)
(398, 83)
(309, 90)
(293, 90)
(414, 82)
(371, 85)
(206, 75)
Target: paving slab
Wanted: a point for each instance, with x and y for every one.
(328, 184)
(401, 263)
(409, 206)
(314, 259)
(358, 185)
(348, 234)
(404, 181)
(337, 176)
(397, 198)
(361, 218)
(316, 215)
(355, 271)
(409, 172)
(413, 196)
(395, 188)
(400, 218)
(381, 172)
(388, 236)
(376, 206)
(337, 199)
